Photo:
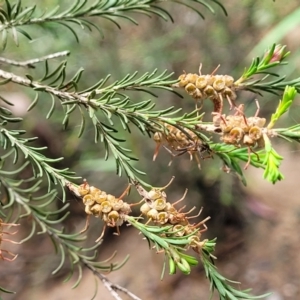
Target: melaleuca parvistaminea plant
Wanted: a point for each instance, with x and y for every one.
(166, 225)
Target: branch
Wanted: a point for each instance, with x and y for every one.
(63, 243)
(139, 114)
(173, 235)
(37, 86)
(30, 63)
(273, 57)
(112, 287)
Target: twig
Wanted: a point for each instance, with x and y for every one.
(111, 287)
(125, 291)
(30, 63)
(35, 85)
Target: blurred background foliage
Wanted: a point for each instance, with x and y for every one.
(231, 41)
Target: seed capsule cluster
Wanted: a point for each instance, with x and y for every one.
(214, 87)
(107, 207)
(178, 141)
(240, 131)
(158, 210)
(11, 256)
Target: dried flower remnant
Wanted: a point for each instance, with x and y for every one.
(240, 131)
(164, 213)
(98, 203)
(156, 194)
(180, 141)
(214, 87)
(11, 256)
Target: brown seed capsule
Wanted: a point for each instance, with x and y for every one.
(117, 204)
(125, 209)
(209, 91)
(88, 199)
(170, 208)
(191, 78)
(190, 88)
(106, 206)
(228, 80)
(255, 133)
(162, 217)
(172, 218)
(156, 194)
(234, 136)
(178, 229)
(110, 198)
(235, 121)
(96, 194)
(145, 209)
(247, 140)
(228, 92)
(197, 95)
(256, 121)
(201, 82)
(180, 136)
(158, 137)
(183, 81)
(170, 127)
(101, 197)
(237, 134)
(159, 204)
(84, 189)
(219, 83)
(94, 190)
(96, 210)
(113, 216)
(210, 79)
(152, 214)
(194, 240)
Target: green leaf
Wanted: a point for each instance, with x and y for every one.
(284, 104)
(273, 56)
(2, 289)
(272, 162)
(219, 282)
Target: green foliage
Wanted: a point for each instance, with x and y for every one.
(284, 104)
(273, 57)
(290, 134)
(272, 161)
(15, 15)
(109, 107)
(15, 145)
(172, 246)
(219, 282)
(267, 159)
(174, 249)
